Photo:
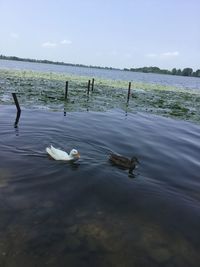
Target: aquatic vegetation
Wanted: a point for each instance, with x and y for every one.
(46, 90)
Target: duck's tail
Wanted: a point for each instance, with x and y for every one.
(48, 150)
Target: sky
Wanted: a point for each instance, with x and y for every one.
(112, 33)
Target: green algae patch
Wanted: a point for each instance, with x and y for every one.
(46, 90)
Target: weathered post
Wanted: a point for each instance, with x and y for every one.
(16, 102)
(66, 90)
(92, 84)
(129, 91)
(88, 88)
(17, 118)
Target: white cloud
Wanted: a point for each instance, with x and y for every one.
(49, 44)
(67, 42)
(170, 54)
(164, 55)
(14, 35)
(54, 44)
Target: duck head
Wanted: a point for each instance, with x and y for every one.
(134, 161)
(74, 154)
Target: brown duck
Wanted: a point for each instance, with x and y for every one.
(124, 162)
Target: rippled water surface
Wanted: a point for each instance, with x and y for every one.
(91, 213)
(168, 80)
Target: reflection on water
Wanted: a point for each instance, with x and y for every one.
(91, 213)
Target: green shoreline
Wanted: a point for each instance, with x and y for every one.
(46, 90)
(189, 72)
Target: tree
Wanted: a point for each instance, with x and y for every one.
(174, 71)
(179, 72)
(196, 73)
(187, 72)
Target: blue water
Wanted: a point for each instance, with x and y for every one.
(92, 213)
(178, 81)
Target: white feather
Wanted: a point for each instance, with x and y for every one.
(58, 154)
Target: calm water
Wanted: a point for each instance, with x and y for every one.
(91, 213)
(179, 81)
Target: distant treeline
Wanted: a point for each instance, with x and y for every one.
(51, 62)
(174, 71)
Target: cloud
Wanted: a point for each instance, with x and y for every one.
(170, 54)
(67, 42)
(14, 35)
(54, 44)
(164, 55)
(49, 44)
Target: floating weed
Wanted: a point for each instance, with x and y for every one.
(43, 89)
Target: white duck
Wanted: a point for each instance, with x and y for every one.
(58, 154)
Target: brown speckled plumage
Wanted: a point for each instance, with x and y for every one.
(124, 162)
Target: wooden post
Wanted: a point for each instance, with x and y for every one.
(66, 90)
(92, 84)
(17, 118)
(16, 102)
(88, 88)
(129, 91)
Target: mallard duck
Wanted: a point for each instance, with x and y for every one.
(58, 154)
(124, 162)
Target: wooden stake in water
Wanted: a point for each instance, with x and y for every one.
(88, 88)
(66, 90)
(92, 84)
(16, 102)
(129, 91)
(17, 118)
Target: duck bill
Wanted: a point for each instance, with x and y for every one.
(78, 155)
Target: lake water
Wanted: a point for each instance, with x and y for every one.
(178, 81)
(91, 213)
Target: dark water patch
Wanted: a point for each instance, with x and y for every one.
(91, 213)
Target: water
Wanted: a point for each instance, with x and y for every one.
(91, 213)
(178, 81)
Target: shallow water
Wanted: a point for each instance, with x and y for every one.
(91, 213)
(46, 91)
